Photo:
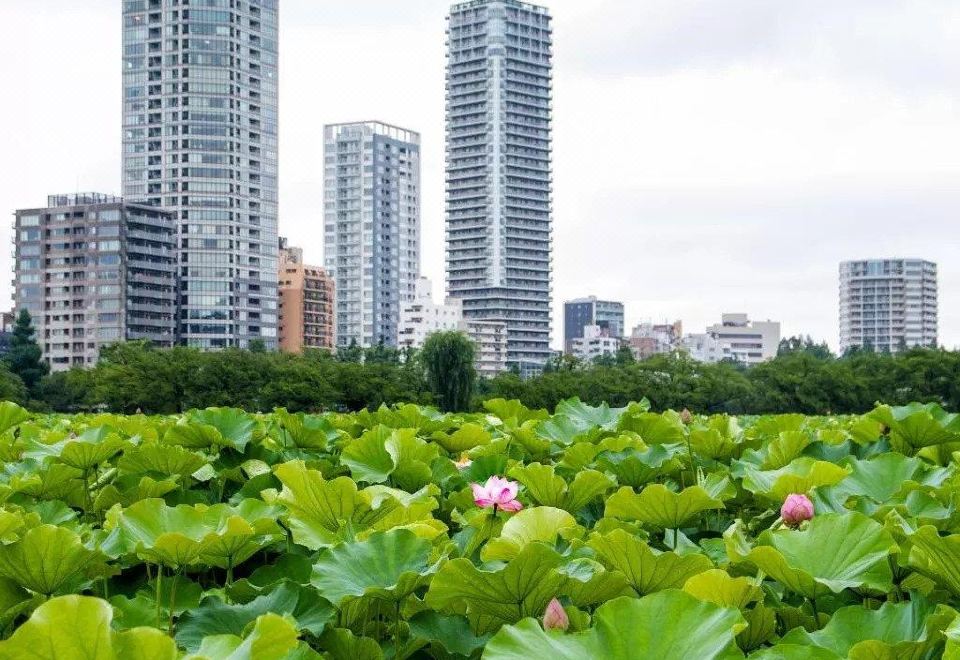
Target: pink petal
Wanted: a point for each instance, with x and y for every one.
(513, 505)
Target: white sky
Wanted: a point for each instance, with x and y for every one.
(709, 156)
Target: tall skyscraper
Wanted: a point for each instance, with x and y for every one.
(200, 139)
(584, 312)
(499, 190)
(888, 304)
(371, 209)
(93, 270)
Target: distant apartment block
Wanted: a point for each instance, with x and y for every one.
(888, 304)
(306, 303)
(92, 270)
(649, 339)
(581, 313)
(596, 342)
(421, 317)
(735, 338)
(490, 339)
(200, 139)
(371, 227)
(498, 170)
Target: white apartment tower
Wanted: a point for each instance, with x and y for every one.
(888, 304)
(200, 140)
(498, 181)
(371, 227)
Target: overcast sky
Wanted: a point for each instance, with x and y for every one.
(709, 155)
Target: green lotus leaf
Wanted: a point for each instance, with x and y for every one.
(271, 638)
(220, 535)
(11, 415)
(590, 583)
(388, 565)
(670, 625)
(513, 412)
(301, 431)
(879, 478)
(213, 427)
(653, 428)
(214, 617)
(919, 425)
(836, 552)
(564, 431)
(635, 467)
(506, 594)
(661, 507)
(451, 632)
(794, 652)
(952, 634)
(717, 587)
(761, 627)
(166, 460)
(82, 452)
(720, 440)
(586, 416)
(342, 643)
(800, 476)
(466, 437)
(645, 569)
(52, 482)
(46, 558)
(547, 488)
(542, 523)
(397, 455)
(323, 513)
(935, 556)
(12, 525)
(78, 628)
(901, 630)
(783, 449)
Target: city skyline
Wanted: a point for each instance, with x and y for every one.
(687, 169)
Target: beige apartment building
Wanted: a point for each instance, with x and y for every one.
(306, 303)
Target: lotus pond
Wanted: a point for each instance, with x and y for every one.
(512, 534)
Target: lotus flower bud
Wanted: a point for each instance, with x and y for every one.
(686, 417)
(796, 508)
(555, 618)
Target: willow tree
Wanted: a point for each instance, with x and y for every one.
(448, 359)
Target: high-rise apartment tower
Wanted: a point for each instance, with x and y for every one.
(200, 140)
(498, 161)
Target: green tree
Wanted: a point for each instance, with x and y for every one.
(24, 358)
(448, 358)
(351, 353)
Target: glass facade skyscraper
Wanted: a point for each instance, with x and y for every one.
(498, 182)
(200, 140)
(371, 227)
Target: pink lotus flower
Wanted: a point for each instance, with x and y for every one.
(555, 618)
(497, 493)
(796, 508)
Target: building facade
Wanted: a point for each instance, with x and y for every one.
(888, 304)
(490, 340)
(421, 317)
(93, 270)
(498, 174)
(371, 227)
(649, 339)
(596, 342)
(581, 313)
(306, 303)
(200, 140)
(735, 338)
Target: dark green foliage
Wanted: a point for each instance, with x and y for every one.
(448, 358)
(24, 358)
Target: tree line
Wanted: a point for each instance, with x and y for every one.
(804, 378)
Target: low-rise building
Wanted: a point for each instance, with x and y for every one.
(421, 317)
(735, 338)
(649, 339)
(595, 343)
(580, 313)
(92, 269)
(306, 303)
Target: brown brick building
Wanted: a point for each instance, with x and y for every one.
(306, 303)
